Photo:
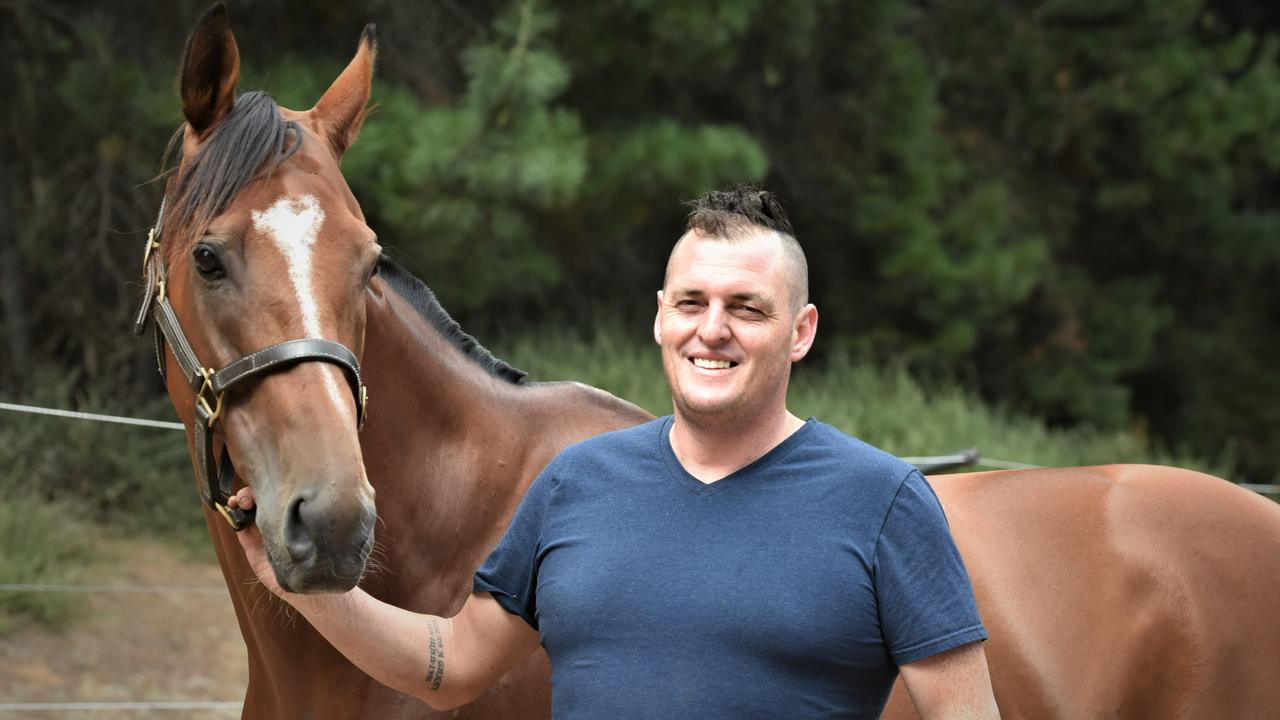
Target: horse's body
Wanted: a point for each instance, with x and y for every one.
(1123, 591)
(1107, 592)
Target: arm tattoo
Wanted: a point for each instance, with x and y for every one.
(435, 661)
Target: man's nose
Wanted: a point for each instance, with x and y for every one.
(715, 326)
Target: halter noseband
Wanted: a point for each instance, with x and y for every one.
(210, 386)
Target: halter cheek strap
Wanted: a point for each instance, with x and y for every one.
(211, 386)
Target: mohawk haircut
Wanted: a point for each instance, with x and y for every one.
(739, 213)
(731, 213)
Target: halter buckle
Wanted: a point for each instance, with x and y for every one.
(151, 245)
(364, 408)
(227, 515)
(214, 411)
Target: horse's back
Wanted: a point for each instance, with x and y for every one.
(1121, 591)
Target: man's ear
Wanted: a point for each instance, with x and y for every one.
(341, 110)
(657, 321)
(210, 71)
(803, 332)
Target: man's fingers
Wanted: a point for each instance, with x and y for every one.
(243, 499)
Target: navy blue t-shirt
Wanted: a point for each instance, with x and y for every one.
(791, 588)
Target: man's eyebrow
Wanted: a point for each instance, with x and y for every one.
(686, 293)
(748, 297)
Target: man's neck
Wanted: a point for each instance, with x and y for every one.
(712, 451)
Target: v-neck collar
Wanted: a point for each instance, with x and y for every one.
(742, 475)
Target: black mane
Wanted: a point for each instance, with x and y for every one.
(251, 140)
(424, 301)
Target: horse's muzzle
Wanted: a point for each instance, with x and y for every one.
(327, 539)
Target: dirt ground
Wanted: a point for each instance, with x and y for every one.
(132, 647)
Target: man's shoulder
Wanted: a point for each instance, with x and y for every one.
(835, 440)
(613, 446)
(850, 457)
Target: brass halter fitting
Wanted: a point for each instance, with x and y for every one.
(205, 393)
(152, 245)
(225, 512)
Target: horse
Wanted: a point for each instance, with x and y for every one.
(1125, 591)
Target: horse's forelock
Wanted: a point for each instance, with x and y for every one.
(253, 139)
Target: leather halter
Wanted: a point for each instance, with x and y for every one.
(210, 386)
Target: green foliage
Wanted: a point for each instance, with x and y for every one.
(460, 188)
(43, 543)
(135, 478)
(1066, 208)
(622, 361)
(66, 483)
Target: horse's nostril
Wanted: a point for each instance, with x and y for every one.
(297, 536)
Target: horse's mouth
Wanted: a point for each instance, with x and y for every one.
(323, 572)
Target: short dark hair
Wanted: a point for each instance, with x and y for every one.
(726, 213)
(740, 212)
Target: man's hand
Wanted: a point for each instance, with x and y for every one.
(251, 540)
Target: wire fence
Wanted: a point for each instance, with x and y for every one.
(966, 458)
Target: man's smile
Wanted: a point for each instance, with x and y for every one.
(710, 364)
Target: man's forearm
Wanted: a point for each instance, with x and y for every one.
(404, 650)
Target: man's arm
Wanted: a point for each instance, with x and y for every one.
(954, 685)
(446, 662)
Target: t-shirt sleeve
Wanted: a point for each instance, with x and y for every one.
(926, 600)
(510, 572)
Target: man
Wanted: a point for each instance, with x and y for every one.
(730, 560)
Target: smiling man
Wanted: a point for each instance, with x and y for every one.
(733, 315)
(728, 561)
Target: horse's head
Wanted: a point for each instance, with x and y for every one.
(262, 242)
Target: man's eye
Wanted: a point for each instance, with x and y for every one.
(207, 263)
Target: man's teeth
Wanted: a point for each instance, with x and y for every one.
(712, 364)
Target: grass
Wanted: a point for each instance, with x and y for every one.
(44, 542)
(65, 485)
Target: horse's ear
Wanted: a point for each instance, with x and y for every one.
(342, 109)
(210, 71)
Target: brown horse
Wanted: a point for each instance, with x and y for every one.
(1109, 592)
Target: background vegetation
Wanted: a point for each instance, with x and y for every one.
(1047, 229)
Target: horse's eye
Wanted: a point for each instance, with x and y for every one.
(207, 263)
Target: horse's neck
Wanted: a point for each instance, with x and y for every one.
(450, 450)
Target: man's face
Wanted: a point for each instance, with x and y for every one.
(729, 329)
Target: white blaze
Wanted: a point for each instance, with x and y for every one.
(293, 224)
